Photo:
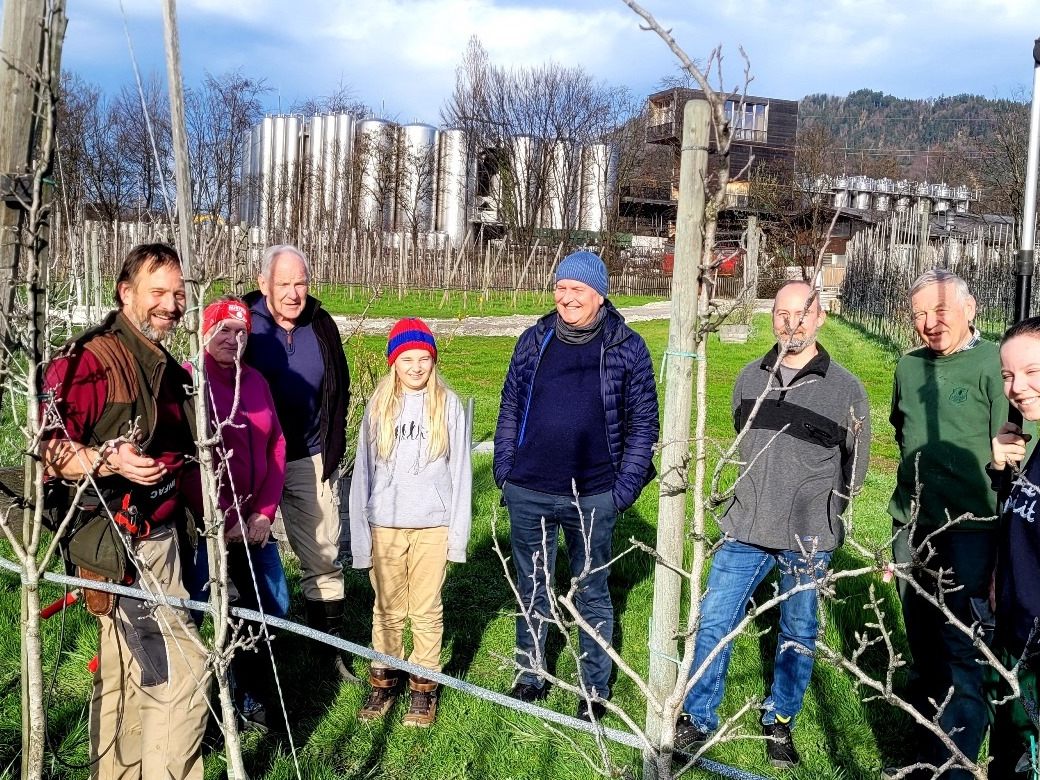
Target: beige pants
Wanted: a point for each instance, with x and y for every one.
(310, 511)
(407, 575)
(148, 710)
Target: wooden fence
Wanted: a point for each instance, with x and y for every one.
(883, 261)
(89, 255)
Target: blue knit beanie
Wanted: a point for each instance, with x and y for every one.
(585, 267)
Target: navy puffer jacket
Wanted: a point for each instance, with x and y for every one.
(629, 400)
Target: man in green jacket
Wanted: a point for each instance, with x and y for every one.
(947, 403)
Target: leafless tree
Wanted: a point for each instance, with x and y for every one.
(342, 100)
(148, 155)
(218, 115)
(529, 126)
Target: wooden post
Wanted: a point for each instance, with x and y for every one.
(922, 244)
(30, 44)
(215, 542)
(675, 436)
(754, 243)
(21, 47)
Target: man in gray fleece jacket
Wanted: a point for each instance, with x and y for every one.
(804, 452)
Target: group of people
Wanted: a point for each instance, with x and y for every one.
(574, 444)
(964, 548)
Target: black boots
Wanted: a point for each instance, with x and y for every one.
(327, 616)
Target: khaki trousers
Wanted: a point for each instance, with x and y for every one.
(408, 566)
(310, 511)
(149, 705)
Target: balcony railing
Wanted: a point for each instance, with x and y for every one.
(664, 132)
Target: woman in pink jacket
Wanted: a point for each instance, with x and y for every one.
(250, 467)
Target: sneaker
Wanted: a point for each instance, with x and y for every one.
(529, 692)
(422, 710)
(779, 745)
(599, 709)
(688, 738)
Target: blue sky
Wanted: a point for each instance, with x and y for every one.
(399, 56)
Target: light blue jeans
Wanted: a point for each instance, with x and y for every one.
(737, 569)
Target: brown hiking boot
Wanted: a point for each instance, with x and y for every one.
(422, 710)
(381, 698)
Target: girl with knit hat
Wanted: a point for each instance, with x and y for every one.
(410, 512)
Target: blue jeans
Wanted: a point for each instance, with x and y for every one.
(267, 564)
(736, 570)
(527, 508)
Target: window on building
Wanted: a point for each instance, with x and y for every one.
(748, 121)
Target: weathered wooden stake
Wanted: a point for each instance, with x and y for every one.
(675, 436)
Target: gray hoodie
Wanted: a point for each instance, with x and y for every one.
(408, 490)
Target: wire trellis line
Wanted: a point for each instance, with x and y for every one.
(614, 735)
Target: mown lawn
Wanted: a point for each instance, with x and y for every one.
(839, 736)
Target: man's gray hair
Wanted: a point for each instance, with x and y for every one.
(273, 251)
(940, 276)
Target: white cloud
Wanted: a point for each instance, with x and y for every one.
(405, 52)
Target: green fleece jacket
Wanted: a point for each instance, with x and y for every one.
(945, 410)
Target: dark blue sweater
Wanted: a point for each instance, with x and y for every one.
(1018, 561)
(292, 363)
(565, 436)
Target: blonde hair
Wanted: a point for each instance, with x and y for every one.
(385, 407)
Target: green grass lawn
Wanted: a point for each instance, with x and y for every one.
(839, 736)
(340, 299)
(386, 302)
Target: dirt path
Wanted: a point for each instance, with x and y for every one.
(510, 325)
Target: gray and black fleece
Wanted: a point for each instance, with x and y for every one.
(801, 450)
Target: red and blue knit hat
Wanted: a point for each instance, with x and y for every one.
(409, 333)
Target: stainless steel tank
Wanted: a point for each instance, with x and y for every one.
(520, 184)
(598, 186)
(417, 170)
(376, 164)
(453, 185)
(563, 187)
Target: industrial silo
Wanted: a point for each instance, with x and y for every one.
(841, 192)
(520, 180)
(329, 143)
(902, 195)
(598, 186)
(245, 203)
(924, 197)
(290, 198)
(314, 181)
(417, 170)
(962, 198)
(863, 186)
(883, 190)
(453, 185)
(339, 141)
(376, 163)
(941, 196)
(562, 186)
(264, 172)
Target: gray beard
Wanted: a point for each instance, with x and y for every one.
(153, 335)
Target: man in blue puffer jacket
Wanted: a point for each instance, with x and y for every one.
(573, 448)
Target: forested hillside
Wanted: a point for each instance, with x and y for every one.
(966, 139)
